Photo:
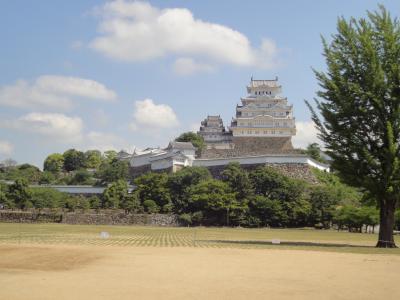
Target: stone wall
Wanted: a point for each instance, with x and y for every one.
(29, 217)
(120, 219)
(295, 171)
(252, 146)
(101, 218)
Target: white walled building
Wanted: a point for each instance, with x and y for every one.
(264, 113)
(176, 156)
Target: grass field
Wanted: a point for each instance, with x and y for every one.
(301, 239)
(55, 261)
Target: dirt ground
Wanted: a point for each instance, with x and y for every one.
(96, 272)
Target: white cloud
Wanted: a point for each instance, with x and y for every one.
(148, 116)
(306, 134)
(105, 141)
(52, 91)
(52, 126)
(6, 148)
(187, 66)
(137, 31)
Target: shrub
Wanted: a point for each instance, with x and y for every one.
(151, 206)
(185, 219)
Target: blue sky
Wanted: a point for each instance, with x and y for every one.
(123, 74)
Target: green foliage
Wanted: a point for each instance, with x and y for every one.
(82, 177)
(215, 198)
(131, 203)
(94, 202)
(266, 212)
(185, 219)
(153, 186)
(346, 194)
(324, 200)
(179, 183)
(114, 170)
(73, 160)
(110, 155)
(93, 159)
(238, 180)
(314, 151)
(54, 163)
(29, 173)
(5, 202)
(194, 138)
(47, 178)
(360, 109)
(151, 206)
(47, 198)
(115, 194)
(20, 194)
(354, 217)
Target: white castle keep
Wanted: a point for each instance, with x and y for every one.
(264, 112)
(259, 134)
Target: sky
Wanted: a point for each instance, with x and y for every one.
(134, 74)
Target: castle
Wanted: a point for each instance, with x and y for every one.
(259, 134)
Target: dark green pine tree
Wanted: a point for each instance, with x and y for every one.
(359, 109)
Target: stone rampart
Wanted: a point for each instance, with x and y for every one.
(292, 170)
(252, 146)
(88, 218)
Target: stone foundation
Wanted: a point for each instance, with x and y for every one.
(251, 146)
(106, 218)
(295, 171)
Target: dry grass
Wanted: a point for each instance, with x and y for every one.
(27, 272)
(296, 239)
(54, 261)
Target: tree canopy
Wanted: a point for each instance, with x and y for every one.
(359, 105)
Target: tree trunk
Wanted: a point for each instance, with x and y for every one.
(386, 223)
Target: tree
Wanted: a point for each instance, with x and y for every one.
(92, 159)
(268, 212)
(73, 160)
(47, 198)
(238, 180)
(323, 201)
(151, 206)
(289, 192)
(20, 194)
(314, 151)
(54, 163)
(82, 177)
(113, 171)
(359, 103)
(192, 137)
(115, 194)
(110, 155)
(153, 186)
(215, 198)
(179, 183)
(5, 202)
(131, 203)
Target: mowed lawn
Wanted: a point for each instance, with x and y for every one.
(301, 239)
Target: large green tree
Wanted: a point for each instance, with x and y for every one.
(73, 160)
(54, 163)
(359, 105)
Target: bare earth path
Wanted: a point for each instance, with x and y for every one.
(104, 272)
